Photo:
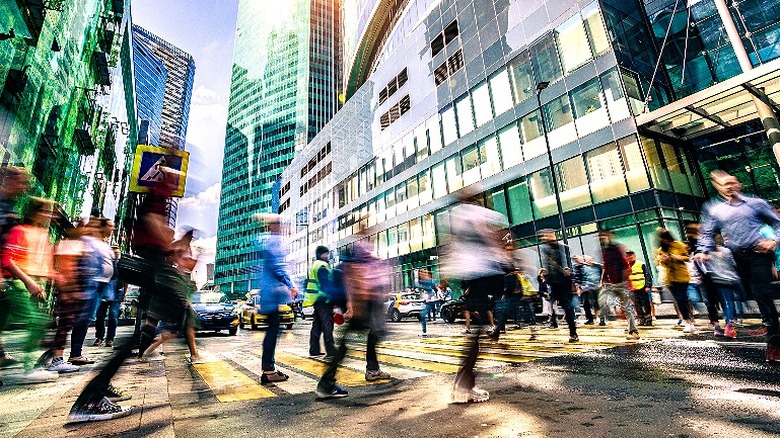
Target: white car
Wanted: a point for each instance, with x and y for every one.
(401, 306)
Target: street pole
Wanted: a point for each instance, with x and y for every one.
(553, 175)
(765, 112)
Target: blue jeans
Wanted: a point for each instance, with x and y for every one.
(424, 315)
(269, 341)
(81, 325)
(110, 309)
(727, 296)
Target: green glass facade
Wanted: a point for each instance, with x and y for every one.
(284, 89)
(62, 115)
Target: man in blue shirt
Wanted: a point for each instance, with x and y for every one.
(739, 218)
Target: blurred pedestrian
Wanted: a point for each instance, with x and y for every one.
(428, 294)
(276, 289)
(366, 279)
(508, 304)
(27, 262)
(673, 256)
(587, 278)
(615, 280)
(739, 218)
(317, 285)
(556, 263)
(641, 283)
(476, 256)
(107, 287)
(723, 273)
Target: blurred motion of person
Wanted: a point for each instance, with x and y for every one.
(276, 289)
(740, 218)
(317, 286)
(723, 272)
(28, 265)
(111, 297)
(641, 283)
(616, 280)
(555, 262)
(508, 305)
(701, 281)
(476, 256)
(14, 182)
(587, 283)
(367, 280)
(673, 256)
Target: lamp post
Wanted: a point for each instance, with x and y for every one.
(553, 175)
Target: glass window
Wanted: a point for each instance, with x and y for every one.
(633, 91)
(470, 157)
(400, 198)
(606, 173)
(557, 113)
(392, 242)
(633, 163)
(523, 77)
(497, 201)
(371, 213)
(403, 239)
(426, 193)
(533, 135)
(658, 172)
(390, 203)
(454, 173)
(597, 31)
(489, 157)
(439, 182)
(465, 115)
(501, 92)
(448, 125)
(519, 203)
(589, 109)
(412, 192)
(542, 193)
(546, 65)
(421, 141)
(434, 133)
(398, 158)
(511, 152)
(573, 43)
(415, 235)
(573, 184)
(381, 240)
(613, 94)
(380, 208)
(442, 225)
(428, 231)
(482, 108)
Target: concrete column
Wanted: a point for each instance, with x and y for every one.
(765, 112)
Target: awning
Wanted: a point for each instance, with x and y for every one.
(723, 105)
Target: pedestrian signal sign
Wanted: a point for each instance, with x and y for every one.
(151, 164)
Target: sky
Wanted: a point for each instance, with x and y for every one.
(204, 29)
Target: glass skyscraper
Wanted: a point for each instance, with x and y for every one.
(150, 77)
(285, 88)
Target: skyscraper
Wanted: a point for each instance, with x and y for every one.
(285, 88)
(150, 77)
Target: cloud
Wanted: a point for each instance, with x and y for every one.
(206, 96)
(205, 249)
(201, 211)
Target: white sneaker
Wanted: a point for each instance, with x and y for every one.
(38, 375)
(473, 395)
(690, 328)
(60, 366)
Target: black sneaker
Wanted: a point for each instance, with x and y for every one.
(103, 409)
(336, 392)
(574, 338)
(602, 323)
(115, 394)
(589, 322)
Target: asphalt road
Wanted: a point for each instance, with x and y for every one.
(666, 384)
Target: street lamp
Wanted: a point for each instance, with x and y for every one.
(539, 88)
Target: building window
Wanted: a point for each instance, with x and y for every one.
(448, 67)
(449, 125)
(519, 203)
(546, 66)
(541, 185)
(483, 110)
(606, 173)
(465, 115)
(589, 109)
(511, 152)
(395, 112)
(573, 44)
(394, 85)
(501, 92)
(449, 35)
(597, 31)
(633, 163)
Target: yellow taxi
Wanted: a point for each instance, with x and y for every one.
(249, 314)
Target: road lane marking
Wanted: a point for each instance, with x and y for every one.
(396, 357)
(345, 376)
(229, 384)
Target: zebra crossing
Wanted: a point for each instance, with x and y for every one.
(235, 375)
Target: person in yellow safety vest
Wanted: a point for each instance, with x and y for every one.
(317, 284)
(641, 284)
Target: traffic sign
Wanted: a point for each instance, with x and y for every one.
(152, 162)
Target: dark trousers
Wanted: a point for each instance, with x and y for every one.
(589, 303)
(269, 341)
(110, 309)
(641, 299)
(755, 270)
(506, 307)
(565, 299)
(712, 298)
(328, 380)
(322, 324)
(81, 326)
(680, 294)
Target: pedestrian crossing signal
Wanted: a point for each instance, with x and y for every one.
(150, 165)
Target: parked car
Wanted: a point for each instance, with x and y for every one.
(249, 314)
(214, 312)
(401, 306)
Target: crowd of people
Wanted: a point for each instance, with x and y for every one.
(730, 257)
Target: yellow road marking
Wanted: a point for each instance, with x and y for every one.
(345, 376)
(396, 357)
(229, 384)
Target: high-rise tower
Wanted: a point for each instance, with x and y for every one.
(285, 87)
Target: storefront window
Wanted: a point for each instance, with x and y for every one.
(465, 115)
(523, 77)
(519, 203)
(573, 44)
(606, 173)
(546, 66)
(573, 184)
(589, 109)
(501, 92)
(542, 193)
(511, 152)
(597, 31)
(470, 157)
(634, 164)
(482, 108)
(533, 135)
(489, 157)
(439, 182)
(449, 126)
